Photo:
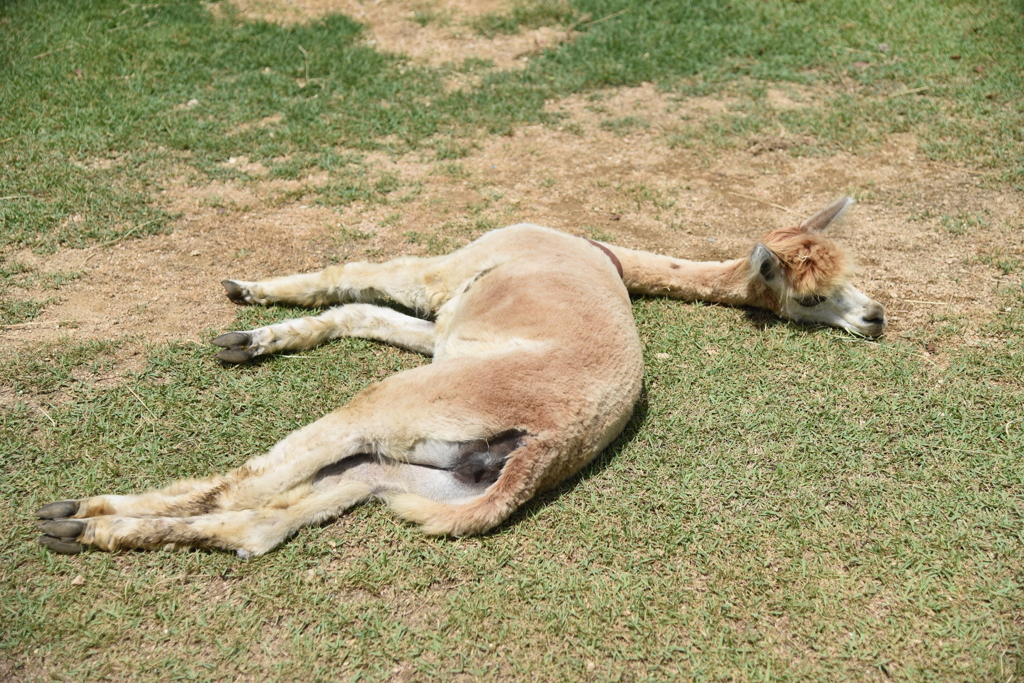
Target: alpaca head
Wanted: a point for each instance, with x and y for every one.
(809, 276)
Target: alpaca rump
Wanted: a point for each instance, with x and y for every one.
(536, 368)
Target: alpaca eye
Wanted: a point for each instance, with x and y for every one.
(810, 301)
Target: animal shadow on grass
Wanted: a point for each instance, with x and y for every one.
(761, 319)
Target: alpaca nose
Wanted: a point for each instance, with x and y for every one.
(874, 314)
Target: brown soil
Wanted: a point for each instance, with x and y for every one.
(592, 176)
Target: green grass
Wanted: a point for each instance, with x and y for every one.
(526, 14)
(787, 504)
(785, 501)
(624, 125)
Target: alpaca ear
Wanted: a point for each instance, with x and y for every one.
(826, 216)
(764, 263)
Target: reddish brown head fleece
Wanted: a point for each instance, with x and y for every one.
(812, 263)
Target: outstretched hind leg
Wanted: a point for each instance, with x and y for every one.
(247, 532)
(430, 424)
(252, 508)
(330, 492)
(352, 320)
(182, 497)
(266, 480)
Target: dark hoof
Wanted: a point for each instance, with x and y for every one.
(62, 508)
(60, 547)
(236, 347)
(232, 339)
(234, 355)
(63, 528)
(234, 291)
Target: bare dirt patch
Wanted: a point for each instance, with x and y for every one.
(931, 240)
(431, 32)
(166, 286)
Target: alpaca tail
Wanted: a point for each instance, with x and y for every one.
(518, 482)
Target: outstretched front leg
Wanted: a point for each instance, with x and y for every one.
(402, 280)
(420, 284)
(352, 320)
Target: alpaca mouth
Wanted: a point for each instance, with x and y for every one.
(875, 329)
(867, 327)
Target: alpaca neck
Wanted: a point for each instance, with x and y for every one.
(724, 282)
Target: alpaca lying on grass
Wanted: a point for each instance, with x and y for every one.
(536, 368)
